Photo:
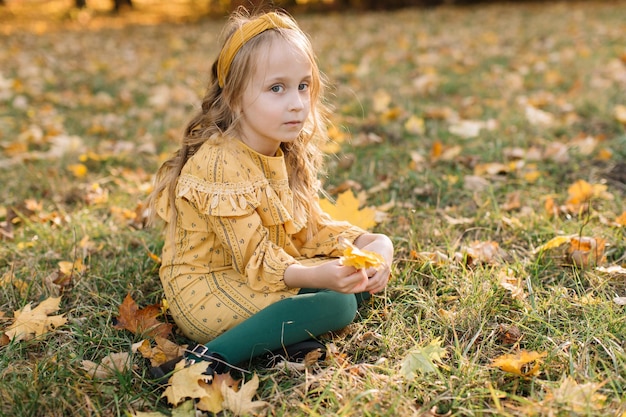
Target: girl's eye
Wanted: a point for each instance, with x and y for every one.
(276, 88)
(303, 87)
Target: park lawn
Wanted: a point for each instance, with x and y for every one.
(490, 142)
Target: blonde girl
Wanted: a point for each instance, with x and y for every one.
(250, 262)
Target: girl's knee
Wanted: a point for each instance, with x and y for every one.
(342, 307)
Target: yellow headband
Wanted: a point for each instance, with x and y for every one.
(242, 35)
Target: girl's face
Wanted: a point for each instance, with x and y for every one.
(276, 102)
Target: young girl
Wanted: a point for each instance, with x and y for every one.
(250, 262)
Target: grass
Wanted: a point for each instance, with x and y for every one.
(113, 93)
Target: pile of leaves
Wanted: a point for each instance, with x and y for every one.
(488, 142)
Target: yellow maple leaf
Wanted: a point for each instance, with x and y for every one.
(240, 402)
(347, 208)
(213, 401)
(523, 363)
(30, 323)
(359, 258)
(185, 382)
(192, 382)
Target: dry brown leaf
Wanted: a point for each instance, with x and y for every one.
(114, 362)
(30, 323)
(586, 251)
(488, 252)
(141, 321)
(510, 282)
(579, 398)
(164, 351)
(513, 201)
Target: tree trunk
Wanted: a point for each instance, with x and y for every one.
(119, 4)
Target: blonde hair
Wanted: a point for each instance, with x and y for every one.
(217, 118)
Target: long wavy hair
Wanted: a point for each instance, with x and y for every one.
(217, 120)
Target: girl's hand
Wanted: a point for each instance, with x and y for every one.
(378, 279)
(381, 244)
(330, 275)
(343, 279)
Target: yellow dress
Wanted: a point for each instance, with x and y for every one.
(235, 235)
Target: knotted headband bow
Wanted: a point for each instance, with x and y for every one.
(242, 35)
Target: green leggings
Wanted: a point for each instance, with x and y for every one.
(307, 315)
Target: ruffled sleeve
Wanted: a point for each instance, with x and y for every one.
(239, 205)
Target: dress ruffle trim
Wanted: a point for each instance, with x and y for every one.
(242, 199)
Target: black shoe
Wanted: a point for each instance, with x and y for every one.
(199, 353)
(297, 352)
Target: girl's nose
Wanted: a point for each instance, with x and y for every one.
(296, 101)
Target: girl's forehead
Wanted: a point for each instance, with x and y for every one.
(281, 55)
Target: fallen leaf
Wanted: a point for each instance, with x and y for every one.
(240, 402)
(555, 242)
(141, 321)
(186, 409)
(347, 208)
(538, 117)
(621, 220)
(581, 193)
(620, 301)
(112, 363)
(513, 284)
(488, 252)
(523, 363)
(586, 251)
(414, 125)
(29, 323)
(9, 279)
(424, 359)
(579, 398)
(213, 401)
(152, 414)
(359, 258)
(164, 351)
(185, 382)
(613, 269)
